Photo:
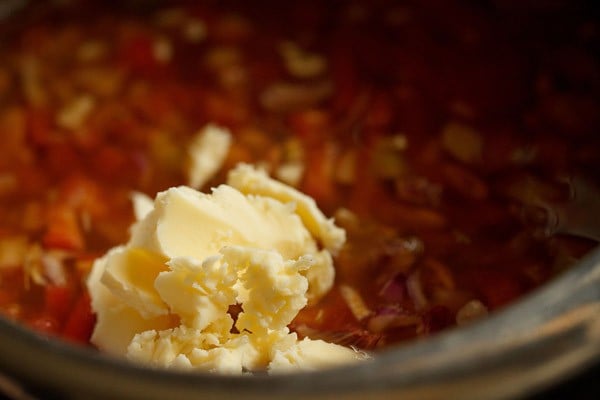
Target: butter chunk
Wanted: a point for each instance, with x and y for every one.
(199, 292)
(308, 355)
(142, 205)
(320, 276)
(177, 227)
(275, 289)
(235, 356)
(164, 298)
(250, 180)
(130, 274)
(186, 348)
(117, 322)
(207, 152)
(169, 347)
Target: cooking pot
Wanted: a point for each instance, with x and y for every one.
(536, 344)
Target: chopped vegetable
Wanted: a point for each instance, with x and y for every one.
(436, 143)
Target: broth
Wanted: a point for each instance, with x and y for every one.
(434, 135)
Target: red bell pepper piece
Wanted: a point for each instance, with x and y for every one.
(80, 323)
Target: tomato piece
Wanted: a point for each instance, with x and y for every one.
(39, 125)
(319, 180)
(57, 301)
(10, 286)
(81, 321)
(498, 288)
(137, 53)
(63, 231)
(311, 126)
(109, 161)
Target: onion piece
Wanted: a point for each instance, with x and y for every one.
(395, 290)
(13, 251)
(54, 268)
(301, 63)
(286, 96)
(73, 115)
(290, 172)
(392, 317)
(470, 312)
(415, 290)
(355, 302)
(462, 142)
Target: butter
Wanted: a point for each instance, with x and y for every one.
(142, 205)
(163, 298)
(310, 355)
(116, 321)
(252, 181)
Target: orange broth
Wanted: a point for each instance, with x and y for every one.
(428, 131)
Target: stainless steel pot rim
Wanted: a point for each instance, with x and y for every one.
(545, 337)
(549, 334)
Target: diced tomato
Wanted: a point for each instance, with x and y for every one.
(380, 112)
(61, 158)
(39, 124)
(63, 231)
(10, 286)
(318, 180)
(109, 161)
(137, 53)
(57, 301)
(498, 288)
(311, 126)
(345, 75)
(224, 110)
(80, 192)
(81, 321)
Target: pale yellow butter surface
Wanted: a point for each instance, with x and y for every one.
(163, 298)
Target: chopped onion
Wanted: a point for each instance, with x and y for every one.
(54, 268)
(285, 96)
(392, 317)
(300, 63)
(32, 81)
(355, 302)
(162, 50)
(394, 290)
(92, 50)
(13, 251)
(74, 114)
(170, 17)
(194, 30)
(415, 290)
(345, 171)
(290, 173)
(462, 142)
(32, 266)
(471, 311)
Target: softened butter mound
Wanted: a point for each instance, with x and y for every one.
(249, 180)
(163, 298)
